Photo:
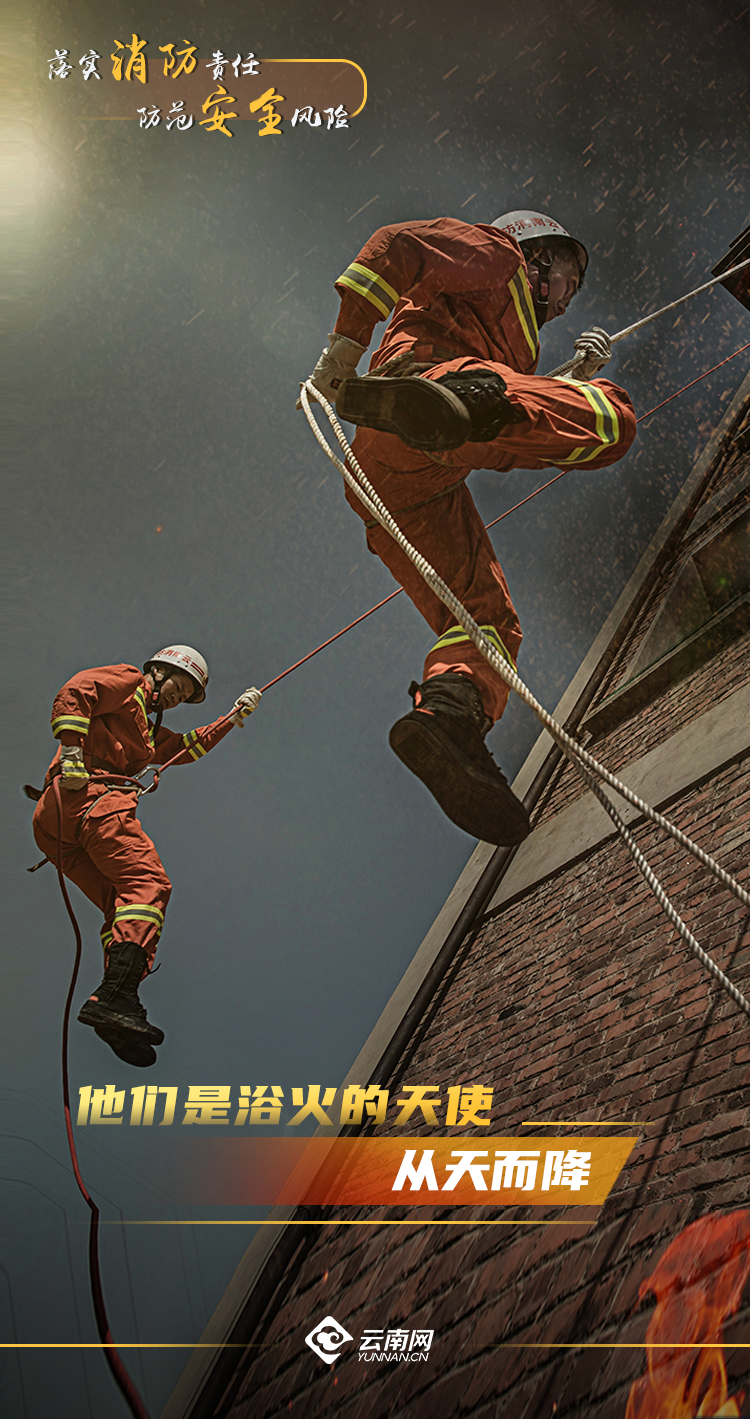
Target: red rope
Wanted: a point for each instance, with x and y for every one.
(311, 653)
(111, 1355)
(692, 382)
(526, 500)
(397, 592)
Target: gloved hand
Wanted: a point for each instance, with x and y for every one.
(73, 771)
(337, 362)
(595, 344)
(247, 702)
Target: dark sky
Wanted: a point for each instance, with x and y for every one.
(174, 289)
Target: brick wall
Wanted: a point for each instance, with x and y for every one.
(694, 695)
(577, 1000)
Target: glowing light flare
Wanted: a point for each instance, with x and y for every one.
(31, 180)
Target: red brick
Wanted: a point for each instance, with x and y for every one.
(675, 1056)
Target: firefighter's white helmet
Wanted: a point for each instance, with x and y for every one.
(530, 226)
(184, 657)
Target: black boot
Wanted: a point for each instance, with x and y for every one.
(114, 1010)
(128, 1048)
(442, 742)
(469, 406)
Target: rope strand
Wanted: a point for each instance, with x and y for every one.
(360, 485)
(661, 896)
(111, 1354)
(578, 359)
(694, 381)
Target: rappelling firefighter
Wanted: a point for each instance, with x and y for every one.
(452, 387)
(102, 720)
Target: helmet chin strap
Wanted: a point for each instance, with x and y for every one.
(155, 697)
(158, 678)
(541, 299)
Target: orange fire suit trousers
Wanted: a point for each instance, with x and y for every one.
(568, 424)
(108, 855)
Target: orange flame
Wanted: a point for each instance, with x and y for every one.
(698, 1283)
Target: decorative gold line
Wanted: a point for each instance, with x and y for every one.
(327, 61)
(630, 1345)
(117, 1345)
(346, 1221)
(233, 1345)
(123, 119)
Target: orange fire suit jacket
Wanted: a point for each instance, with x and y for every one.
(451, 290)
(108, 706)
(457, 294)
(105, 851)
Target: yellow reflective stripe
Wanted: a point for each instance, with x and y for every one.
(456, 635)
(361, 291)
(571, 458)
(139, 911)
(147, 907)
(607, 424)
(358, 278)
(190, 740)
(519, 290)
(140, 700)
(371, 278)
(78, 723)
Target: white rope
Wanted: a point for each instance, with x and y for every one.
(360, 485)
(577, 360)
(661, 896)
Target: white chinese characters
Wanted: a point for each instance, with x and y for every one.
(511, 1170)
(386, 1346)
(337, 117)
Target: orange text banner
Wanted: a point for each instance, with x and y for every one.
(377, 1172)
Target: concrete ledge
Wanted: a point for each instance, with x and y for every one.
(660, 677)
(695, 752)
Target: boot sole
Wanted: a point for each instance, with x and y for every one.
(420, 412)
(116, 1026)
(484, 807)
(131, 1051)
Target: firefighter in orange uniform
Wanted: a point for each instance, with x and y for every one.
(466, 304)
(102, 720)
